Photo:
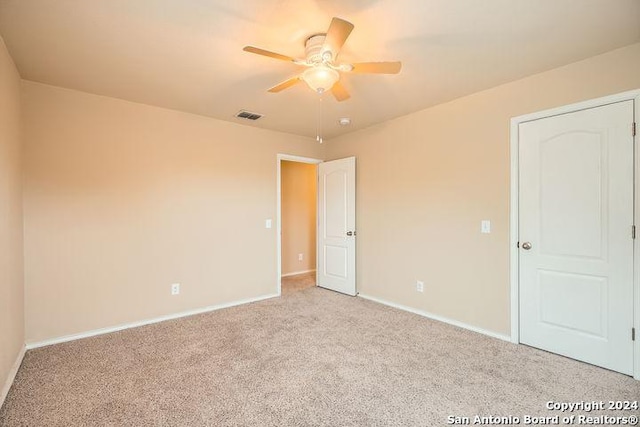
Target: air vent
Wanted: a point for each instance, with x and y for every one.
(243, 114)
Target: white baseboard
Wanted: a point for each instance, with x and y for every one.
(295, 273)
(438, 318)
(92, 333)
(12, 375)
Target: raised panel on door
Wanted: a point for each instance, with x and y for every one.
(573, 194)
(576, 212)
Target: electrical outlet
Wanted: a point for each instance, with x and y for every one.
(299, 257)
(175, 289)
(419, 286)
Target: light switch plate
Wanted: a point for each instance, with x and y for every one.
(485, 226)
(267, 223)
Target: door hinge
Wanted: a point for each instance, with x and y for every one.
(633, 334)
(633, 129)
(633, 231)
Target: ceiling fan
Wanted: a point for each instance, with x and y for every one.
(323, 69)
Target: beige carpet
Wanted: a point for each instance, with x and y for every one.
(310, 358)
(298, 282)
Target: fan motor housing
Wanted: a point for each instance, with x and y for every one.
(313, 48)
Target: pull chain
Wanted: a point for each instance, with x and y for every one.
(319, 122)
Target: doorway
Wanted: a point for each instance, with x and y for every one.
(573, 232)
(335, 222)
(297, 222)
(298, 233)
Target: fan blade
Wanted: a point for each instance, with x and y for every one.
(285, 84)
(340, 92)
(377, 67)
(337, 34)
(257, 50)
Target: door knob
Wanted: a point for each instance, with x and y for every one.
(349, 233)
(526, 246)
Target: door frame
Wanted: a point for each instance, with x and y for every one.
(290, 158)
(633, 95)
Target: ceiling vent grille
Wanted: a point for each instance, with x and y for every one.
(243, 114)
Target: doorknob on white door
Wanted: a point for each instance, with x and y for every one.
(526, 246)
(349, 233)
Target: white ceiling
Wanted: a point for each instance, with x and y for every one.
(187, 54)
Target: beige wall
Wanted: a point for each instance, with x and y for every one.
(426, 180)
(11, 271)
(298, 216)
(123, 199)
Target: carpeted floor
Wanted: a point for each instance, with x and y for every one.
(298, 282)
(310, 358)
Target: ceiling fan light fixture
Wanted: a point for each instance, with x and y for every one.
(323, 71)
(320, 78)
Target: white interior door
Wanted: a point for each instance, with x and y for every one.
(575, 236)
(337, 225)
